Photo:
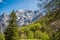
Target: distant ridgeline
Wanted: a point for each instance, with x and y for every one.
(24, 17)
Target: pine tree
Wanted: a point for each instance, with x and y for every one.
(11, 32)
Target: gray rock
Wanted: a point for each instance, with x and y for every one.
(24, 17)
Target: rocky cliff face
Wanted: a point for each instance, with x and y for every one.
(24, 17)
(4, 21)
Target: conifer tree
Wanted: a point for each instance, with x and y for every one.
(11, 32)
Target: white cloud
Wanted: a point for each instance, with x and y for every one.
(1, 1)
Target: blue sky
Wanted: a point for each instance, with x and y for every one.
(8, 5)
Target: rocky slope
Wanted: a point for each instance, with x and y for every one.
(24, 17)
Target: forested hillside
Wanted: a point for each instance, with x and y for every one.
(45, 28)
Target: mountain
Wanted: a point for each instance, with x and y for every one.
(24, 17)
(3, 21)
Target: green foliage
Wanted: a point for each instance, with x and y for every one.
(41, 35)
(2, 36)
(30, 35)
(38, 34)
(45, 36)
(11, 32)
(57, 36)
(23, 36)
